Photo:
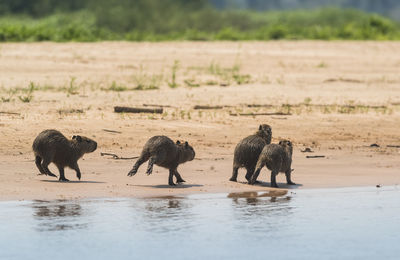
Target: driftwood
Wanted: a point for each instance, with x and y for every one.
(116, 157)
(9, 113)
(343, 80)
(315, 156)
(154, 105)
(261, 114)
(111, 131)
(207, 107)
(138, 110)
(258, 105)
(393, 146)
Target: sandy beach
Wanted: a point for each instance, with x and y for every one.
(336, 98)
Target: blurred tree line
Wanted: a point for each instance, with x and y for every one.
(389, 8)
(156, 20)
(40, 8)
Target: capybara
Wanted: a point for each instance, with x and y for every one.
(51, 146)
(277, 158)
(247, 151)
(162, 151)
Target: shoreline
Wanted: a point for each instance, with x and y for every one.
(107, 179)
(245, 194)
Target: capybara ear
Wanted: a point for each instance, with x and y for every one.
(260, 127)
(178, 142)
(280, 142)
(79, 138)
(186, 144)
(74, 137)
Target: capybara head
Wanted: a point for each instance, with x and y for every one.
(188, 152)
(265, 132)
(288, 145)
(84, 144)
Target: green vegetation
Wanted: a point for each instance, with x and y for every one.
(163, 20)
(174, 69)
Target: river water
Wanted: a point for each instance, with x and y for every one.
(345, 223)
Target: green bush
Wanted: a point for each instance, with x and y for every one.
(163, 21)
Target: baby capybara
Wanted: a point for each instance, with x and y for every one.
(247, 151)
(51, 146)
(162, 151)
(277, 158)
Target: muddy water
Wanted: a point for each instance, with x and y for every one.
(307, 224)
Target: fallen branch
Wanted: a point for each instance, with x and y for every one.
(154, 105)
(207, 107)
(343, 80)
(111, 131)
(258, 105)
(116, 157)
(315, 156)
(261, 114)
(138, 110)
(9, 113)
(393, 146)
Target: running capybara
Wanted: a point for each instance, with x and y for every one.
(51, 146)
(162, 151)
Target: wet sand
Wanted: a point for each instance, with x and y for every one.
(342, 97)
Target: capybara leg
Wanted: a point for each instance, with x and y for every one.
(139, 162)
(178, 177)
(234, 173)
(38, 161)
(152, 161)
(170, 177)
(62, 176)
(45, 167)
(288, 174)
(273, 179)
(255, 176)
(78, 171)
(249, 173)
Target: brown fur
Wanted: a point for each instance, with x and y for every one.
(51, 146)
(277, 158)
(162, 151)
(248, 149)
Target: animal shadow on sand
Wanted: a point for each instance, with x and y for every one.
(166, 186)
(280, 185)
(57, 181)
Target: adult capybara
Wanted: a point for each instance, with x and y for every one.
(277, 158)
(51, 146)
(162, 151)
(247, 151)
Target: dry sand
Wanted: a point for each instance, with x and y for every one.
(342, 96)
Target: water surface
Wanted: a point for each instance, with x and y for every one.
(305, 224)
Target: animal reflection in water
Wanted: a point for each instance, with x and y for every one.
(58, 215)
(271, 203)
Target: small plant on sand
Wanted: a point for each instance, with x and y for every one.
(191, 83)
(10, 94)
(173, 83)
(72, 88)
(238, 77)
(29, 94)
(143, 81)
(117, 87)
